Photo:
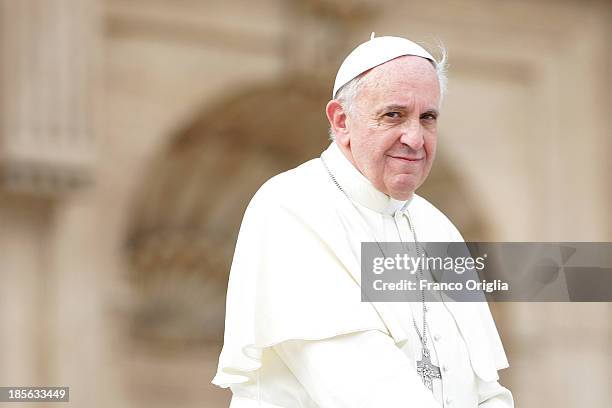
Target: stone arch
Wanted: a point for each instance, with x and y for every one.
(187, 216)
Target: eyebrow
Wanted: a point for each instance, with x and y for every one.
(388, 108)
(394, 107)
(434, 112)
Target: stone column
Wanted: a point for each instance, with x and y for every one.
(47, 58)
(51, 308)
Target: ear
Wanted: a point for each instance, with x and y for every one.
(338, 121)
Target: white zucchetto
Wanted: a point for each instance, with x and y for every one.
(374, 52)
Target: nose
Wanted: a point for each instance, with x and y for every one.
(413, 135)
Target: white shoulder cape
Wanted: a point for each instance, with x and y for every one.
(295, 275)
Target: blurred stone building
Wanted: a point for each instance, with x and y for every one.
(134, 132)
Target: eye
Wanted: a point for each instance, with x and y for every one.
(393, 115)
(430, 117)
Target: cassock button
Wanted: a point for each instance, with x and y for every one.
(437, 337)
(448, 401)
(445, 368)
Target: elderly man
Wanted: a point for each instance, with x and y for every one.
(297, 333)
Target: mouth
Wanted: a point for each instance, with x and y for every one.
(408, 159)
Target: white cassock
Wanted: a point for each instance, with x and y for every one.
(296, 331)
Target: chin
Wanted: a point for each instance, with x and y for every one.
(403, 188)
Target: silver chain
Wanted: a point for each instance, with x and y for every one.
(422, 337)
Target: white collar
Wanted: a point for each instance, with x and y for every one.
(357, 186)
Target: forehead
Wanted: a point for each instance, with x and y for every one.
(406, 77)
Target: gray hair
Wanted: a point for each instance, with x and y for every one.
(347, 94)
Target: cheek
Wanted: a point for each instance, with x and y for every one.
(372, 146)
(382, 141)
(380, 146)
(431, 142)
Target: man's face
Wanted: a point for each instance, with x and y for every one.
(392, 129)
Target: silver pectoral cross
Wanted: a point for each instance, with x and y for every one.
(427, 370)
